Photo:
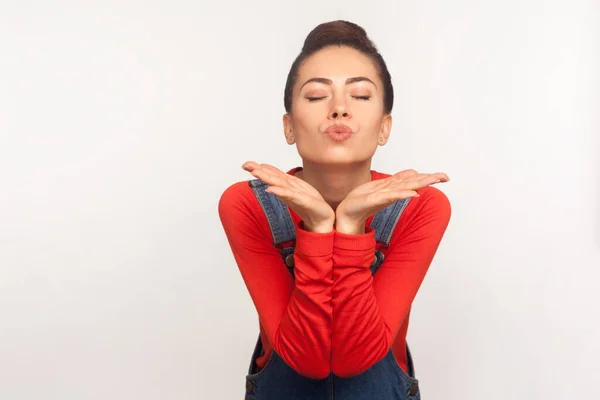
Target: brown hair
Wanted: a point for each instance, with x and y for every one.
(340, 33)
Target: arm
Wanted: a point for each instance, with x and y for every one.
(297, 317)
(367, 310)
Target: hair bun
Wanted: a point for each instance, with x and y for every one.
(337, 32)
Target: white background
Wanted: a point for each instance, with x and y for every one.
(122, 122)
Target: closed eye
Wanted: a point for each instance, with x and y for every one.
(311, 99)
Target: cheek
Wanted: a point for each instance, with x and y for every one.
(307, 120)
(370, 128)
(367, 144)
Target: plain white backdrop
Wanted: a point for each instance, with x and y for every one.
(122, 122)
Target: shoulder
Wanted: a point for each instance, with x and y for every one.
(235, 196)
(433, 200)
(239, 208)
(428, 214)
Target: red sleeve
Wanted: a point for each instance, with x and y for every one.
(297, 317)
(369, 310)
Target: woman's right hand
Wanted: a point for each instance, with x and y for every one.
(305, 200)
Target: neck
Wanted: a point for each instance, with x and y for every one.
(334, 182)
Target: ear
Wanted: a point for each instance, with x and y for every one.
(385, 129)
(287, 129)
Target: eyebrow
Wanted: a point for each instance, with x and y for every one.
(348, 81)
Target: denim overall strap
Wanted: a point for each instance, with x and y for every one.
(278, 214)
(280, 221)
(384, 222)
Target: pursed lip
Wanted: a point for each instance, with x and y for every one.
(338, 128)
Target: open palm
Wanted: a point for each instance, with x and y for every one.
(373, 196)
(298, 195)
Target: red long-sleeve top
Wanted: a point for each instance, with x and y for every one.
(335, 316)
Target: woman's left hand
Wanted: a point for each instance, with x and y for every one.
(365, 200)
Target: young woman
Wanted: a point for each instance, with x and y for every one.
(333, 253)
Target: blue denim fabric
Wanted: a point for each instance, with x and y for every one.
(385, 380)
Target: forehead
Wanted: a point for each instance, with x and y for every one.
(337, 63)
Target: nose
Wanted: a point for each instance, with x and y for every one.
(335, 114)
(339, 109)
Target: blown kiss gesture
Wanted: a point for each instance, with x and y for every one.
(352, 213)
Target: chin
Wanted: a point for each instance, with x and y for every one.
(337, 155)
(337, 159)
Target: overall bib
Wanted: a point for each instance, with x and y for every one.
(385, 380)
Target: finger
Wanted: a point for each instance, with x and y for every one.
(393, 179)
(412, 184)
(250, 165)
(283, 178)
(266, 170)
(268, 178)
(443, 177)
(253, 166)
(388, 182)
(289, 196)
(422, 182)
(272, 170)
(281, 192)
(386, 197)
(286, 179)
(409, 181)
(407, 173)
(274, 176)
(436, 178)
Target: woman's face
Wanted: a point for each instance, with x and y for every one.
(336, 97)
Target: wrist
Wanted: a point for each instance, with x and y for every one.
(318, 227)
(349, 226)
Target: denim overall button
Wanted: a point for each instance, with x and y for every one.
(414, 389)
(249, 386)
(289, 260)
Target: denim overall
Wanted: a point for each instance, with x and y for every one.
(385, 380)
